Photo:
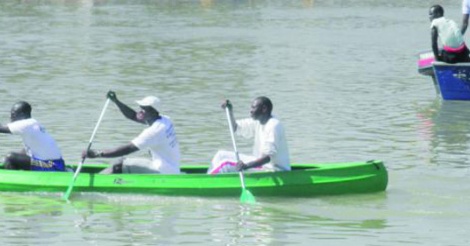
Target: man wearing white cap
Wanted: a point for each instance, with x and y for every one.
(159, 138)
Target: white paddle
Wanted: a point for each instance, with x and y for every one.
(79, 168)
(246, 196)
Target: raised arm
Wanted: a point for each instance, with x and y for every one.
(125, 110)
(228, 104)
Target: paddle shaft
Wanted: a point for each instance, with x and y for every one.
(229, 118)
(79, 168)
(92, 137)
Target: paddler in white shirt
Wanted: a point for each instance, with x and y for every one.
(40, 152)
(159, 138)
(270, 150)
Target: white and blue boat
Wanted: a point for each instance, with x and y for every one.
(452, 81)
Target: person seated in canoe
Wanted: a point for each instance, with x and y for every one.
(270, 150)
(41, 152)
(454, 49)
(159, 138)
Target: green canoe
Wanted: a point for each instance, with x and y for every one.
(305, 180)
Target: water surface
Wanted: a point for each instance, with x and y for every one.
(343, 78)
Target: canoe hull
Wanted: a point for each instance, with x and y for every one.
(306, 180)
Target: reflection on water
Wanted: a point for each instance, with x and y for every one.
(127, 218)
(21, 205)
(445, 125)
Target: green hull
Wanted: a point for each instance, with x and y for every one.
(305, 180)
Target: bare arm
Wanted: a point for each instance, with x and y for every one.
(435, 49)
(4, 129)
(117, 152)
(464, 23)
(257, 163)
(125, 110)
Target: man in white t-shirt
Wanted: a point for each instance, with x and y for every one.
(159, 138)
(270, 151)
(40, 152)
(453, 46)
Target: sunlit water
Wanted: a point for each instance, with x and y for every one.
(343, 79)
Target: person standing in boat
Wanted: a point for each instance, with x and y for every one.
(159, 138)
(454, 49)
(40, 152)
(270, 150)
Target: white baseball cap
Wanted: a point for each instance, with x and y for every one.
(151, 101)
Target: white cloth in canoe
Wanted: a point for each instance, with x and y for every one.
(226, 162)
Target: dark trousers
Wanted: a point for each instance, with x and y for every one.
(455, 57)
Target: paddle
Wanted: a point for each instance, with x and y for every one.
(79, 168)
(246, 196)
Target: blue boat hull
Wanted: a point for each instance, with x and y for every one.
(453, 80)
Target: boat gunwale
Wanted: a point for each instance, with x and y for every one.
(297, 168)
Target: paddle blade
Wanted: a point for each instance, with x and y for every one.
(68, 192)
(247, 197)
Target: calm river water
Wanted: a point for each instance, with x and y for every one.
(343, 78)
